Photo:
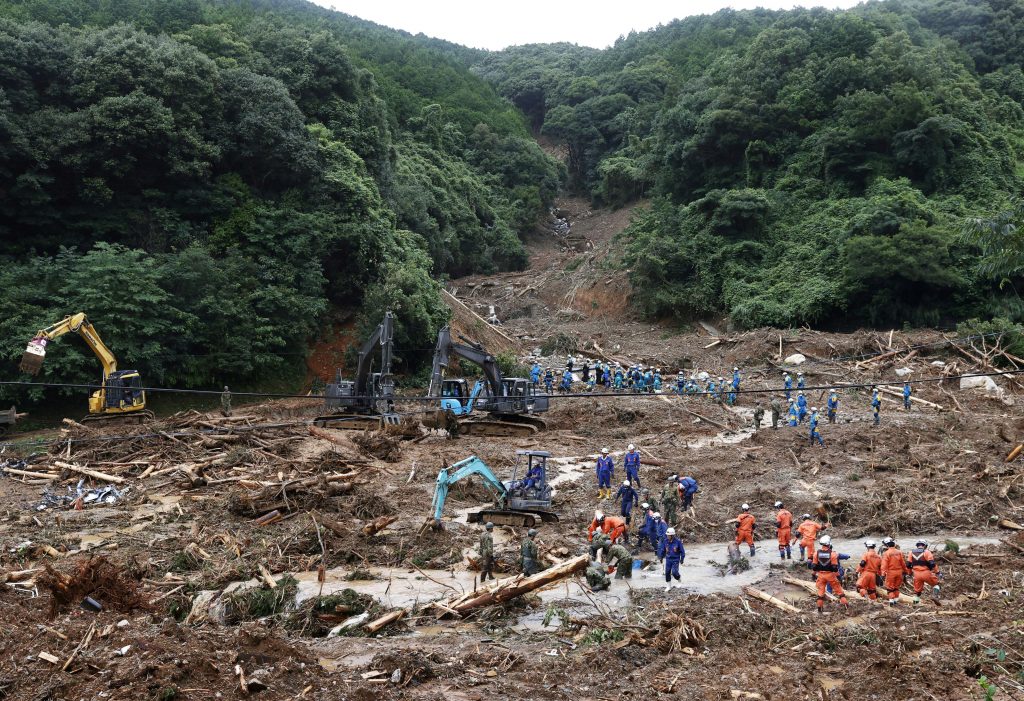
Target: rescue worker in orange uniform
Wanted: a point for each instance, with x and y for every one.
(613, 526)
(745, 528)
(924, 568)
(595, 525)
(869, 571)
(784, 530)
(894, 569)
(808, 530)
(825, 567)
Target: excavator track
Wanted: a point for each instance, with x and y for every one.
(502, 517)
(136, 417)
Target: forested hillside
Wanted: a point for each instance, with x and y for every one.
(207, 179)
(803, 167)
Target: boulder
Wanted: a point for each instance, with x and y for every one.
(796, 359)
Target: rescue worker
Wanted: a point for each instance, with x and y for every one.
(660, 529)
(815, 436)
(535, 374)
(623, 561)
(605, 470)
(597, 577)
(808, 530)
(876, 404)
(646, 530)
(710, 389)
(225, 401)
(745, 528)
(613, 526)
(731, 398)
(832, 406)
(674, 555)
(649, 381)
(586, 372)
(906, 395)
(736, 379)
(776, 407)
(618, 377)
(687, 488)
(722, 397)
(787, 381)
(627, 498)
(595, 525)
(600, 544)
(680, 383)
(784, 531)
(670, 499)
(894, 569)
(800, 384)
(794, 414)
(566, 385)
(632, 464)
(569, 362)
(801, 407)
(549, 380)
(869, 572)
(825, 567)
(758, 416)
(486, 551)
(924, 568)
(606, 376)
(528, 554)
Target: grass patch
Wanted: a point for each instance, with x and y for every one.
(261, 602)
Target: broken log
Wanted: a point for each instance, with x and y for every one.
(91, 473)
(34, 475)
(378, 524)
(894, 393)
(765, 596)
(876, 358)
(323, 434)
(710, 421)
(1010, 525)
(517, 586)
(795, 459)
(385, 620)
(1009, 458)
(851, 593)
(1012, 545)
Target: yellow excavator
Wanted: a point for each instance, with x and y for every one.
(121, 395)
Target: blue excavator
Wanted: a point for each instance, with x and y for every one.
(517, 502)
(495, 406)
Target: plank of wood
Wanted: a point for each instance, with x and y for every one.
(385, 620)
(34, 475)
(91, 473)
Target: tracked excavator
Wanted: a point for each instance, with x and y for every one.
(495, 406)
(517, 502)
(367, 401)
(120, 397)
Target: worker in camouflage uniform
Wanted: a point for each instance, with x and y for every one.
(597, 577)
(623, 561)
(758, 416)
(528, 558)
(225, 402)
(670, 499)
(776, 407)
(601, 543)
(486, 551)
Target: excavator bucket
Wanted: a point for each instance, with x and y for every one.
(32, 358)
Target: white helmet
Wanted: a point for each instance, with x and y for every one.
(814, 408)
(825, 540)
(869, 544)
(800, 373)
(734, 368)
(778, 505)
(646, 505)
(625, 483)
(745, 507)
(631, 447)
(604, 451)
(598, 515)
(670, 531)
(721, 378)
(657, 514)
(806, 517)
(922, 543)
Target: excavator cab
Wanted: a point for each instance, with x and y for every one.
(123, 390)
(532, 491)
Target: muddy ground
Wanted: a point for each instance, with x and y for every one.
(181, 562)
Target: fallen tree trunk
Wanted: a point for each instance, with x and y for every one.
(851, 593)
(777, 603)
(517, 586)
(894, 393)
(91, 473)
(710, 421)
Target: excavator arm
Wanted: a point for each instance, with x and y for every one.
(382, 336)
(460, 471)
(32, 360)
(446, 348)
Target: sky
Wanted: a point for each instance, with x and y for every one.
(487, 24)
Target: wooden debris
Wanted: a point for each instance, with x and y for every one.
(52, 659)
(1012, 545)
(1010, 525)
(795, 459)
(378, 524)
(704, 418)
(914, 399)
(266, 576)
(385, 620)
(777, 603)
(33, 475)
(851, 593)
(91, 473)
(506, 589)
(268, 518)
(1009, 458)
